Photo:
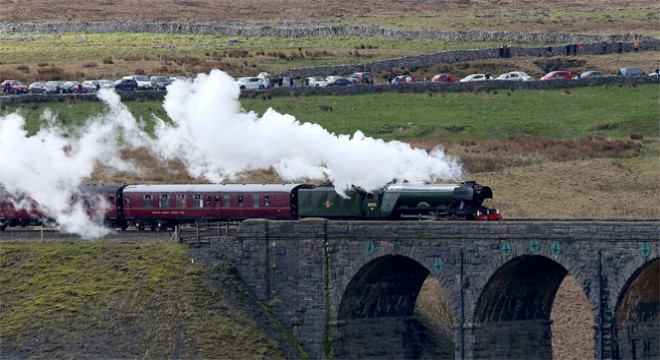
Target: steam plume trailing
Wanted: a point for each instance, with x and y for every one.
(214, 138)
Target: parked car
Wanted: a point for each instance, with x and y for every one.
(67, 87)
(41, 88)
(590, 74)
(330, 79)
(444, 78)
(475, 77)
(315, 81)
(126, 84)
(552, 75)
(87, 86)
(340, 82)
(288, 81)
(248, 83)
(103, 84)
(77, 87)
(143, 82)
(159, 82)
(515, 76)
(630, 71)
(361, 78)
(15, 87)
(404, 79)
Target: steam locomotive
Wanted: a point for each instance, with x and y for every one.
(166, 206)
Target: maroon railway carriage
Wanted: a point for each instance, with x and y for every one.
(100, 203)
(165, 206)
(18, 210)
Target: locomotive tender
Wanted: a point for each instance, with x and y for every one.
(165, 206)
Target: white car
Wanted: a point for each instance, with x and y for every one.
(474, 77)
(315, 81)
(143, 82)
(248, 83)
(515, 76)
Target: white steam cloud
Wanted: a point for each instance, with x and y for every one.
(217, 140)
(214, 138)
(49, 166)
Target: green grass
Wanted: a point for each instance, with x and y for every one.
(122, 301)
(612, 111)
(494, 115)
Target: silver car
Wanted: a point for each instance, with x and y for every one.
(315, 81)
(515, 76)
(41, 88)
(591, 74)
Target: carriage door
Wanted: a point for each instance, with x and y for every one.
(372, 207)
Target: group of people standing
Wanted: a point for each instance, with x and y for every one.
(505, 51)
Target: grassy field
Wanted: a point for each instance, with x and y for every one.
(145, 300)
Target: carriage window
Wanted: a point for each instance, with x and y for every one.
(164, 201)
(181, 200)
(266, 201)
(208, 201)
(217, 200)
(240, 200)
(197, 201)
(148, 201)
(225, 201)
(255, 201)
(128, 202)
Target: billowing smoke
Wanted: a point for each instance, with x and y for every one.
(49, 166)
(213, 137)
(217, 140)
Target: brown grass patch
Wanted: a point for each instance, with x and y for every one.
(23, 68)
(495, 155)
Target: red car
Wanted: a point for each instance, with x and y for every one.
(15, 87)
(558, 75)
(444, 78)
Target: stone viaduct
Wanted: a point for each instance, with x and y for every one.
(348, 289)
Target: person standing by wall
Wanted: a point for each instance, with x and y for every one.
(636, 43)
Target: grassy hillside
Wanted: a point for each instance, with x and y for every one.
(123, 300)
